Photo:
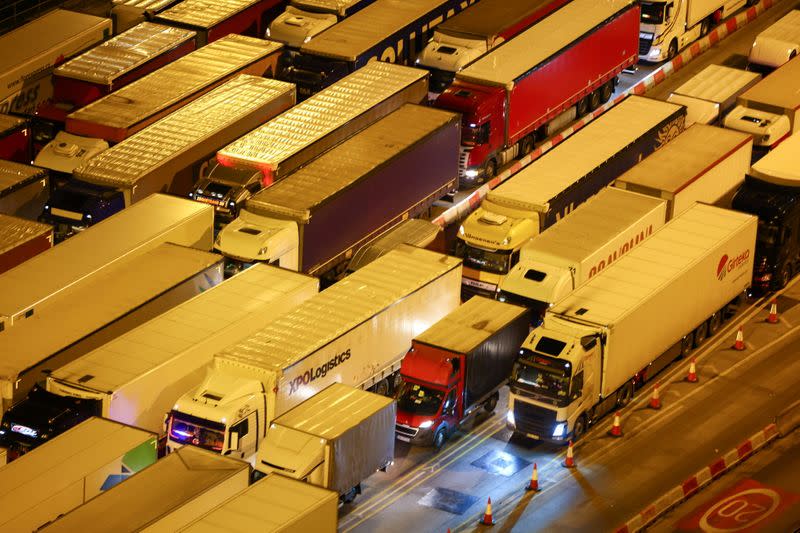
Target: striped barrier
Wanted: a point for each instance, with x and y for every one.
(470, 203)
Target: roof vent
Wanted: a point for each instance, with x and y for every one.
(85, 378)
(211, 396)
(581, 311)
(495, 219)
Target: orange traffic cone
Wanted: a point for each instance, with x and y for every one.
(691, 377)
(739, 344)
(616, 429)
(569, 461)
(773, 312)
(655, 400)
(487, 519)
(534, 484)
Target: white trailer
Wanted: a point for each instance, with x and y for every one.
(157, 219)
(68, 471)
(553, 263)
(777, 44)
(91, 313)
(135, 378)
(712, 92)
(703, 164)
(161, 498)
(282, 505)
(624, 325)
(355, 332)
(780, 166)
(23, 189)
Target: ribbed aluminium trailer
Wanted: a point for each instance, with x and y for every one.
(21, 239)
(128, 13)
(23, 189)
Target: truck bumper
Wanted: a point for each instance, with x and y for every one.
(414, 436)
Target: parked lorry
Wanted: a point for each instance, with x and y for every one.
(769, 110)
(293, 506)
(456, 367)
(305, 19)
(68, 471)
(31, 51)
(301, 222)
(135, 290)
(460, 40)
(712, 92)
(126, 14)
(21, 239)
(597, 344)
(548, 189)
(771, 191)
(15, 139)
(165, 156)
(160, 218)
(385, 30)
(312, 127)
(24, 189)
(668, 25)
(334, 440)
(776, 45)
(212, 21)
(537, 82)
(162, 497)
(363, 326)
(134, 376)
(412, 231)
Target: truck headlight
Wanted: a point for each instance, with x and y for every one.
(655, 52)
(426, 424)
(471, 173)
(461, 230)
(510, 418)
(561, 427)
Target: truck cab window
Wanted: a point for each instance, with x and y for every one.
(450, 402)
(241, 428)
(577, 385)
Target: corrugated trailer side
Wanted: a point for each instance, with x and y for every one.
(21, 239)
(24, 189)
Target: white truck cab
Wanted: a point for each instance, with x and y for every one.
(304, 19)
(777, 44)
(252, 237)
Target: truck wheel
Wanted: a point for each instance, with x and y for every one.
(491, 403)
(687, 344)
(490, 170)
(526, 145)
(594, 100)
(705, 27)
(439, 438)
(715, 322)
(382, 388)
(582, 107)
(700, 334)
(350, 495)
(625, 394)
(579, 429)
(785, 276)
(672, 51)
(606, 91)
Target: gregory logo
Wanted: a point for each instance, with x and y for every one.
(727, 264)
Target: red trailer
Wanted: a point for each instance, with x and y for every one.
(15, 139)
(21, 239)
(520, 92)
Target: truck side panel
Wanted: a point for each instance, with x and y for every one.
(25, 250)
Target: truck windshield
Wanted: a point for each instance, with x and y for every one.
(188, 429)
(498, 261)
(418, 399)
(653, 12)
(768, 234)
(472, 134)
(543, 375)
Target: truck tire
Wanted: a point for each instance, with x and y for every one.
(784, 276)
(606, 91)
(687, 344)
(582, 107)
(440, 438)
(705, 27)
(715, 322)
(579, 428)
(350, 495)
(490, 170)
(595, 99)
(625, 394)
(381, 387)
(526, 145)
(491, 402)
(672, 51)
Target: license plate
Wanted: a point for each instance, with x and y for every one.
(479, 284)
(209, 201)
(404, 439)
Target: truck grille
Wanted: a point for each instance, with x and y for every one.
(534, 420)
(406, 431)
(463, 154)
(644, 45)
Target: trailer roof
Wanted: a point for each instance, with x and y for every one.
(80, 256)
(781, 88)
(43, 33)
(333, 411)
(125, 163)
(586, 149)
(204, 13)
(269, 505)
(15, 231)
(367, 28)
(514, 58)
(159, 340)
(786, 29)
(57, 464)
(340, 308)
(413, 231)
(8, 123)
(313, 119)
(488, 18)
(623, 286)
(142, 499)
(150, 5)
(121, 54)
(176, 81)
(326, 177)
(780, 166)
(716, 83)
(15, 175)
(594, 222)
(338, 6)
(470, 324)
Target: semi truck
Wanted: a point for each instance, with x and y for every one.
(712, 92)
(597, 344)
(537, 82)
(160, 218)
(305, 19)
(456, 368)
(31, 51)
(165, 156)
(334, 440)
(776, 45)
(460, 40)
(125, 14)
(285, 505)
(302, 222)
(15, 139)
(297, 136)
(162, 497)
(21, 239)
(668, 26)
(769, 110)
(134, 376)
(68, 471)
(24, 189)
(547, 190)
(385, 30)
(771, 191)
(363, 326)
(212, 21)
